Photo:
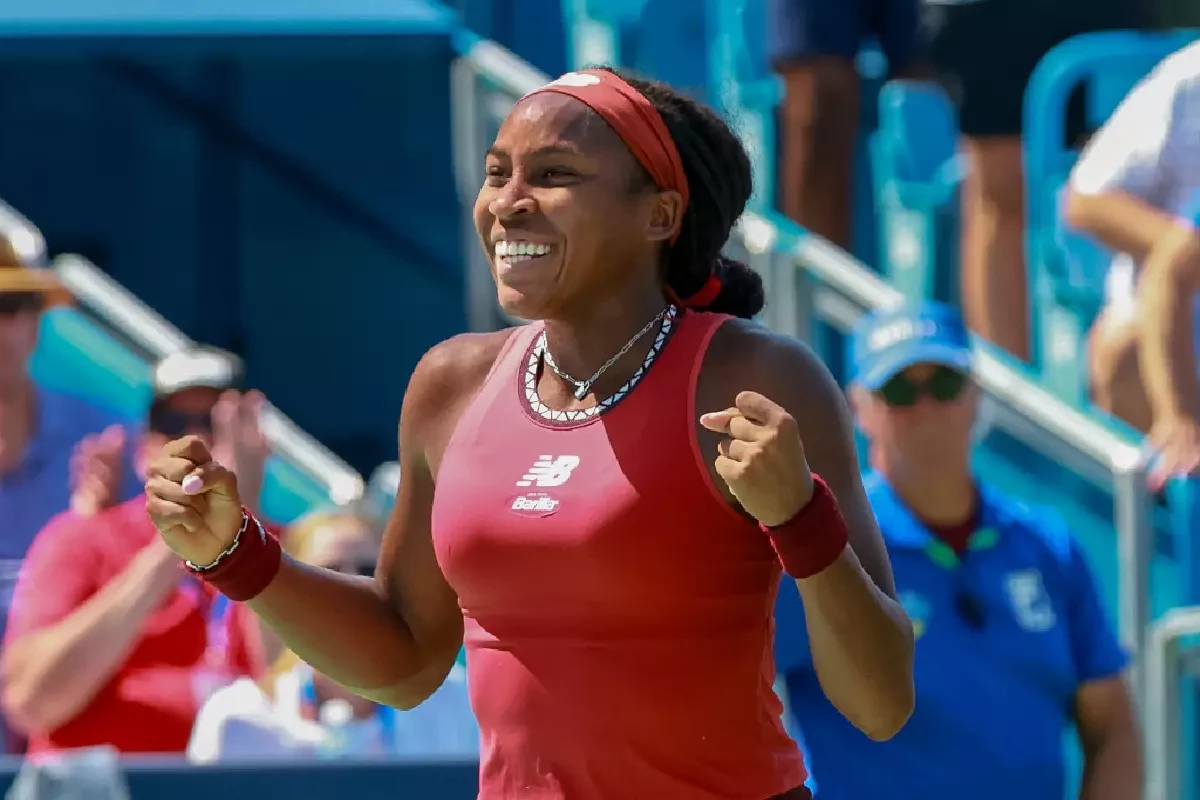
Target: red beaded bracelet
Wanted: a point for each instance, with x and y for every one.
(247, 566)
(812, 540)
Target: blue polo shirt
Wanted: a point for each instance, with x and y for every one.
(39, 487)
(995, 680)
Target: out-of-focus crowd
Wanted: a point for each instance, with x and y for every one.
(1134, 189)
(107, 641)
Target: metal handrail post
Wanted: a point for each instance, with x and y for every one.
(1162, 714)
(1135, 554)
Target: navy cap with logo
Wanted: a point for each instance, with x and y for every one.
(885, 343)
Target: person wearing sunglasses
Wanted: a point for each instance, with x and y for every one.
(42, 470)
(108, 642)
(40, 427)
(1013, 647)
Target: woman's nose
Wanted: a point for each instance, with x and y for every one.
(513, 199)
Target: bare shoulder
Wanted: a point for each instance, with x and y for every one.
(457, 364)
(745, 356)
(444, 381)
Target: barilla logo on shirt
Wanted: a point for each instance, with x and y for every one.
(534, 504)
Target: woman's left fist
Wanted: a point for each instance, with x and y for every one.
(763, 460)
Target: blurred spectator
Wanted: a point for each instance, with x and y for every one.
(39, 428)
(984, 52)
(1012, 644)
(1135, 189)
(108, 641)
(813, 45)
(286, 714)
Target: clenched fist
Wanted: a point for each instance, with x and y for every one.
(763, 460)
(193, 501)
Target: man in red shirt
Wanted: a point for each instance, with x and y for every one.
(108, 641)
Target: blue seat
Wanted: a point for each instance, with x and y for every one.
(742, 84)
(601, 31)
(660, 39)
(1066, 269)
(711, 50)
(78, 357)
(671, 38)
(917, 171)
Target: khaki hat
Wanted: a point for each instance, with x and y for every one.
(17, 276)
(34, 280)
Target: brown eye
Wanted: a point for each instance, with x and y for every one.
(495, 176)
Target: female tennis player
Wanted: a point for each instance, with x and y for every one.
(609, 553)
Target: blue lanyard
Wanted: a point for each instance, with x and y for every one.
(386, 715)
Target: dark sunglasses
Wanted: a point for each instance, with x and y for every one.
(12, 303)
(944, 385)
(173, 423)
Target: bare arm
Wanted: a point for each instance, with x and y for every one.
(394, 637)
(861, 639)
(51, 675)
(1125, 166)
(1166, 296)
(1112, 768)
(1121, 221)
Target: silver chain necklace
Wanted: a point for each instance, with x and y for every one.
(583, 387)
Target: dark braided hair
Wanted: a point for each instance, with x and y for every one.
(720, 183)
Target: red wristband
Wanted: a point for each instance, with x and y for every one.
(813, 539)
(247, 567)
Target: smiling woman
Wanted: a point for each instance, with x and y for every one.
(569, 156)
(608, 553)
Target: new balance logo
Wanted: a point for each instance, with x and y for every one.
(549, 471)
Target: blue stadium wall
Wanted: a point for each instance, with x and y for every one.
(288, 197)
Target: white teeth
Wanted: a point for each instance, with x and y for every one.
(523, 251)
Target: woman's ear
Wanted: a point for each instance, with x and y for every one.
(666, 216)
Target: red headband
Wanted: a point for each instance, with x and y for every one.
(641, 127)
(633, 117)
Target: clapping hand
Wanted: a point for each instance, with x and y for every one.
(98, 471)
(239, 443)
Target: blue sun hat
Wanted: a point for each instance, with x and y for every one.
(885, 343)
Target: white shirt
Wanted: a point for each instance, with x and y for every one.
(1150, 149)
(240, 722)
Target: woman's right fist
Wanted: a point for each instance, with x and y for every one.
(193, 501)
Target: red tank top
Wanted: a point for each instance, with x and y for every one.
(618, 613)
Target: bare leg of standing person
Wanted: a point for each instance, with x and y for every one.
(820, 124)
(985, 52)
(994, 291)
(814, 44)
